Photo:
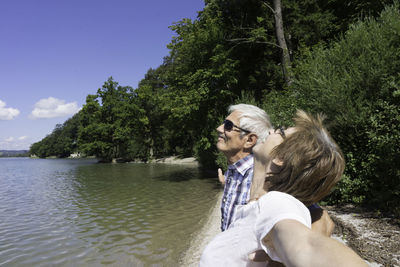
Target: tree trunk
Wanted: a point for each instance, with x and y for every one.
(285, 57)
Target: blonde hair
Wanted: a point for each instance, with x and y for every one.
(312, 162)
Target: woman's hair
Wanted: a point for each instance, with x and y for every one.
(312, 163)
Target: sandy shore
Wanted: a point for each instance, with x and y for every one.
(210, 229)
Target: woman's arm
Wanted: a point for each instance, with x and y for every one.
(297, 245)
(321, 222)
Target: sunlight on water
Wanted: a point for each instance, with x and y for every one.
(78, 212)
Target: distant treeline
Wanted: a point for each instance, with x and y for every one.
(341, 58)
(14, 153)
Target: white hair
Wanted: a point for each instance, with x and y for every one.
(253, 119)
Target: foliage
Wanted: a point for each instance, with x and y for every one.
(61, 142)
(14, 153)
(150, 126)
(105, 126)
(231, 48)
(356, 83)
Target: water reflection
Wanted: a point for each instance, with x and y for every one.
(71, 212)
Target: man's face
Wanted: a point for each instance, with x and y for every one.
(229, 142)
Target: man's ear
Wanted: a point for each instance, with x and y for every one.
(251, 140)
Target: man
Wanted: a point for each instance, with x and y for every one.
(242, 129)
(245, 126)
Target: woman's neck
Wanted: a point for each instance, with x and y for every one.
(257, 188)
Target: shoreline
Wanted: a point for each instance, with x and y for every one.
(176, 160)
(210, 228)
(165, 160)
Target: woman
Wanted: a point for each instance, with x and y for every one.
(292, 170)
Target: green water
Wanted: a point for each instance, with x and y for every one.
(80, 213)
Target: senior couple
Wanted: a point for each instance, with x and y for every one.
(274, 179)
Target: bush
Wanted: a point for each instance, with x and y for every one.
(356, 83)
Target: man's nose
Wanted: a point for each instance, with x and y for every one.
(220, 128)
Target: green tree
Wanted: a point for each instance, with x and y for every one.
(61, 142)
(150, 125)
(105, 130)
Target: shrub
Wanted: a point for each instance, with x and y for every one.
(356, 83)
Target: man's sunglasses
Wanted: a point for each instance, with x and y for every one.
(228, 126)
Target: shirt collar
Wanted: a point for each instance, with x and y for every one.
(243, 164)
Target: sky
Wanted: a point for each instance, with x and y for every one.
(55, 53)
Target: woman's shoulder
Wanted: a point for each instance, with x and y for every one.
(280, 205)
(273, 196)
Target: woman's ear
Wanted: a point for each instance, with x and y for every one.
(277, 162)
(251, 140)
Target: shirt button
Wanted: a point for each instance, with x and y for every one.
(224, 200)
(222, 220)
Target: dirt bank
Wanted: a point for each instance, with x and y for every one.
(376, 238)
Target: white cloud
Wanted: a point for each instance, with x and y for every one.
(9, 139)
(7, 113)
(52, 107)
(22, 137)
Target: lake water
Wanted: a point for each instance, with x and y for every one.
(80, 213)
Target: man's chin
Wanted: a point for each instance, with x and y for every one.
(221, 145)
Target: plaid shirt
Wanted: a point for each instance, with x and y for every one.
(238, 179)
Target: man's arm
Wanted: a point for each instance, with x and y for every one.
(297, 245)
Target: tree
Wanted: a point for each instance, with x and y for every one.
(150, 127)
(105, 130)
(61, 142)
(281, 40)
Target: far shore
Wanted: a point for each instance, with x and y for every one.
(176, 160)
(166, 160)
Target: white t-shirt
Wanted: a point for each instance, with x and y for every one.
(251, 223)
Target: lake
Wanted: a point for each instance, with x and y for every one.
(64, 212)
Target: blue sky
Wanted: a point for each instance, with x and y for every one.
(54, 53)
